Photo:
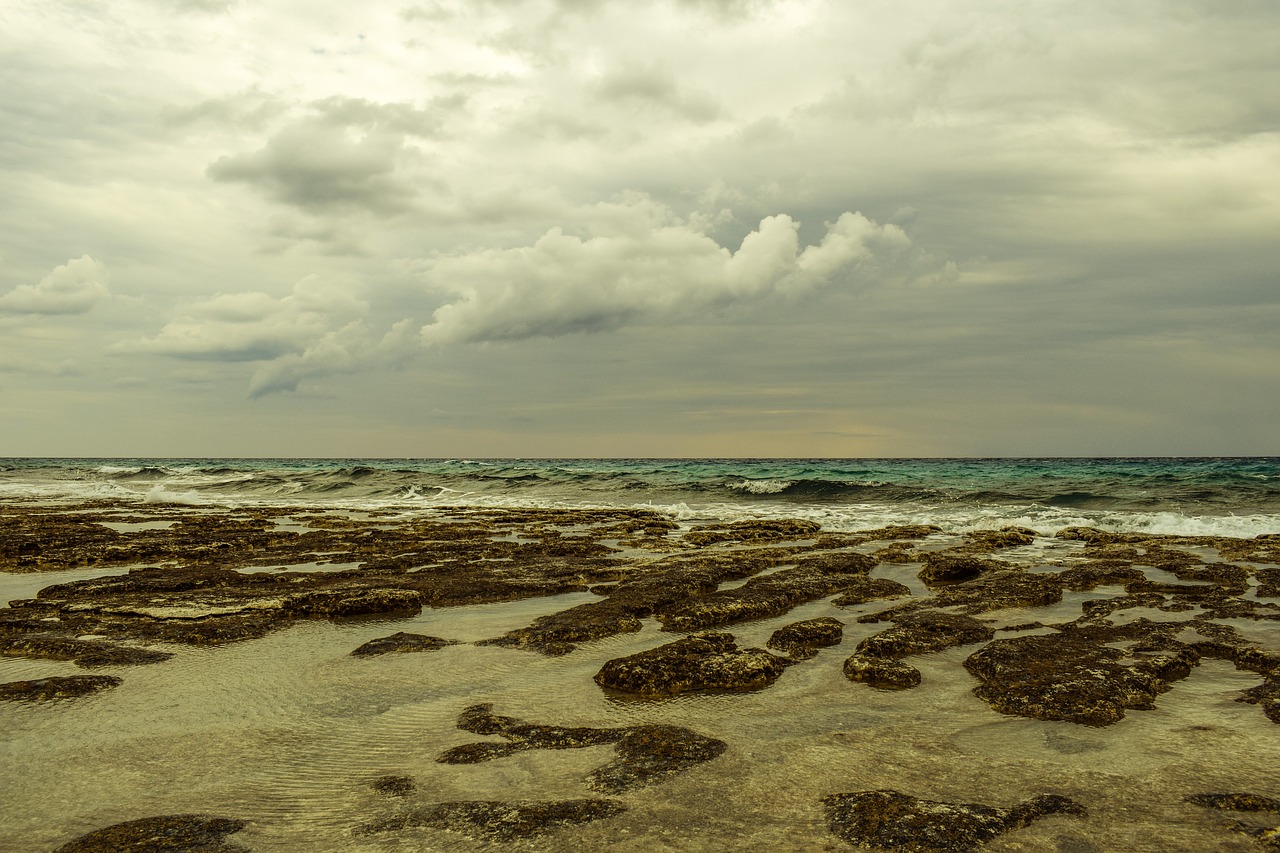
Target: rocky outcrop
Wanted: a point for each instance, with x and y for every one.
(891, 820)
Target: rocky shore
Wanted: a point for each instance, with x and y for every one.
(1084, 628)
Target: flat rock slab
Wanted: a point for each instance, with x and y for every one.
(402, 642)
(710, 661)
(183, 832)
(1079, 675)
(891, 820)
(57, 687)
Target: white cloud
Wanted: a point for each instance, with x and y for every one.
(73, 288)
(318, 329)
(563, 283)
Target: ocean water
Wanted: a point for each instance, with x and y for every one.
(1188, 496)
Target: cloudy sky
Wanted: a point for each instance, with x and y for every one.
(603, 228)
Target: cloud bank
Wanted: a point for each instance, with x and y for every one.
(73, 288)
(563, 284)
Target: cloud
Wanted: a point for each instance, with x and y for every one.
(319, 164)
(655, 86)
(317, 330)
(564, 284)
(73, 288)
(253, 326)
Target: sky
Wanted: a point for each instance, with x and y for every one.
(579, 228)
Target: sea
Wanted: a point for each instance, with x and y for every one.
(1236, 496)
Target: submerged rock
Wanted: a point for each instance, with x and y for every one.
(57, 687)
(1266, 835)
(891, 820)
(803, 639)
(648, 754)
(709, 661)
(502, 821)
(394, 786)
(183, 833)
(402, 642)
(644, 754)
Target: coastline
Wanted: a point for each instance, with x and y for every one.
(231, 631)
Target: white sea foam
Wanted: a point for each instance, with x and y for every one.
(160, 495)
(762, 487)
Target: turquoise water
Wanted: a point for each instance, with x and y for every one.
(1227, 496)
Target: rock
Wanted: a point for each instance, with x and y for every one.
(943, 568)
(921, 632)
(85, 653)
(1078, 675)
(877, 660)
(402, 642)
(770, 595)
(752, 531)
(1267, 836)
(57, 687)
(394, 786)
(502, 821)
(177, 833)
(994, 540)
(870, 589)
(882, 673)
(648, 754)
(891, 820)
(803, 639)
(1266, 695)
(644, 754)
(707, 661)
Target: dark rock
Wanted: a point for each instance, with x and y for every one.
(402, 642)
(187, 833)
(882, 673)
(803, 639)
(644, 754)
(943, 568)
(648, 754)
(891, 820)
(85, 653)
(770, 595)
(752, 531)
(502, 821)
(922, 632)
(394, 786)
(701, 662)
(994, 540)
(57, 687)
(870, 589)
(1267, 836)
(1078, 675)
(1266, 695)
